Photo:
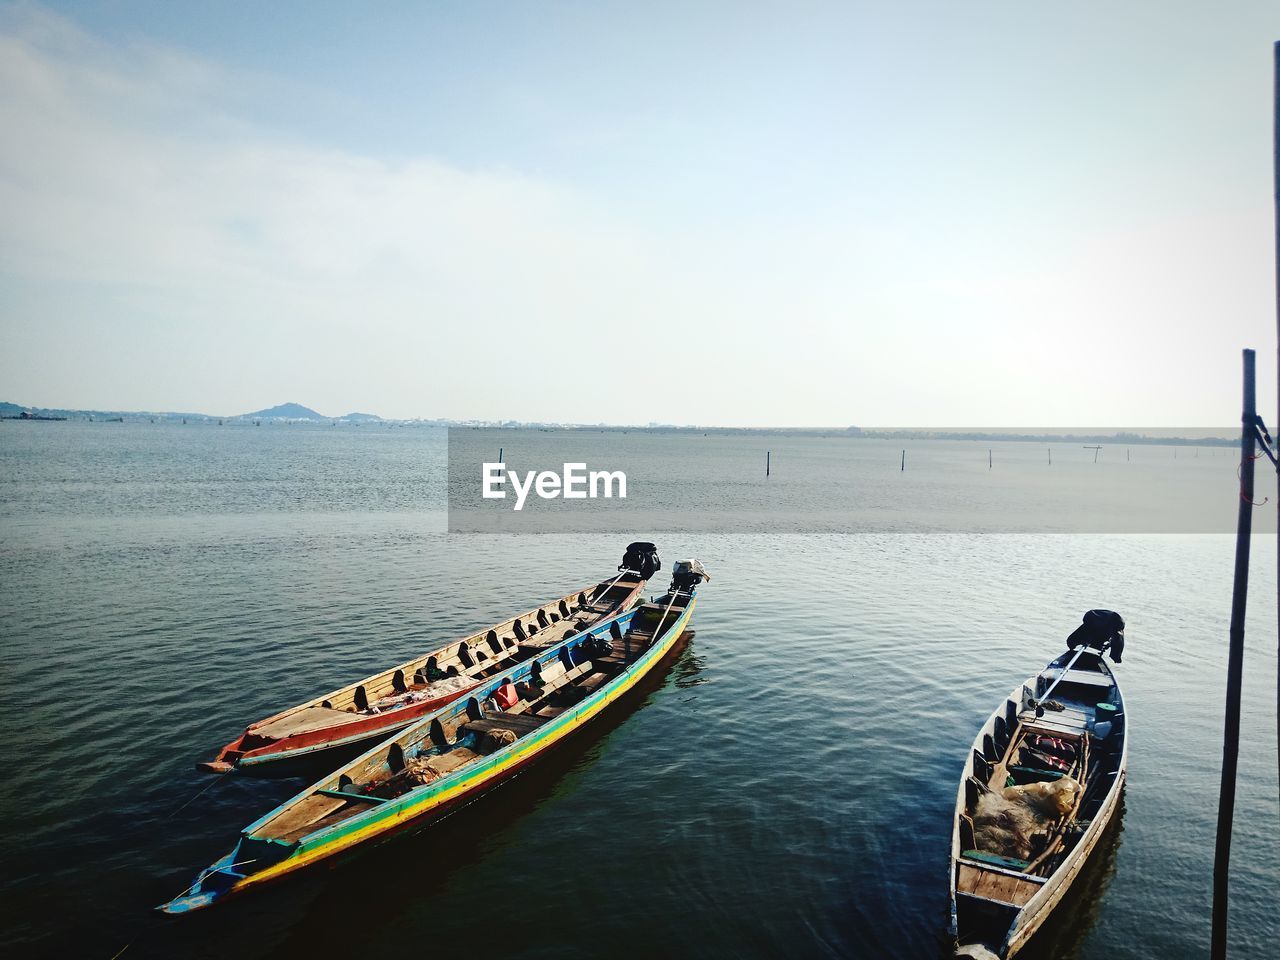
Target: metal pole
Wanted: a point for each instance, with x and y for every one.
(1038, 701)
(1235, 665)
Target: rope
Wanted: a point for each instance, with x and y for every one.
(1239, 469)
(203, 875)
(170, 816)
(197, 796)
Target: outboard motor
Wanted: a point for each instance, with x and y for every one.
(642, 557)
(1101, 630)
(687, 574)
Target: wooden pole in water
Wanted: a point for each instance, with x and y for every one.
(1235, 665)
(1275, 159)
(768, 458)
(904, 461)
(988, 459)
(1051, 456)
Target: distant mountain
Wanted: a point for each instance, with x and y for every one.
(282, 412)
(285, 411)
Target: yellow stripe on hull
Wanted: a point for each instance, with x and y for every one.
(631, 678)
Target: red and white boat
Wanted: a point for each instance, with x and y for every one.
(367, 711)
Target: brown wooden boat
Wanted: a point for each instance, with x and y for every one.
(366, 711)
(1041, 783)
(454, 755)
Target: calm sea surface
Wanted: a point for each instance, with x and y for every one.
(784, 789)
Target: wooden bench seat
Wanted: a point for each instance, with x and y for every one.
(593, 683)
(1090, 678)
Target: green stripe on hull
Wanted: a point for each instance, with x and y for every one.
(415, 805)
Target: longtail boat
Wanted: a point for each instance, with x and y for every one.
(368, 711)
(457, 753)
(1041, 783)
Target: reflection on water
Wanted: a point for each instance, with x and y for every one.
(690, 668)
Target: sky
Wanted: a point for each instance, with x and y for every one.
(740, 214)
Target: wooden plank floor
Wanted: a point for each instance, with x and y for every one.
(991, 885)
(306, 721)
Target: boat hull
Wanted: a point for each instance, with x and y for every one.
(422, 808)
(256, 754)
(294, 755)
(1031, 915)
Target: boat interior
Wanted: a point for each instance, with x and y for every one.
(458, 666)
(499, 714)
(1078, 733)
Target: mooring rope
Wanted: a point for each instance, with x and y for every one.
(219, 870)
(197, 796)
(1240, 477)
(170, 816)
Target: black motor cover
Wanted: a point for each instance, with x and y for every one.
(1099, 628)
(641, 557)
(688, 574)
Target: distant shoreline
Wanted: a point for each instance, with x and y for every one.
(1158, 435)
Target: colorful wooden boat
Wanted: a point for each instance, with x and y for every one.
(360, 714)
(1062, 734)
(457, 753)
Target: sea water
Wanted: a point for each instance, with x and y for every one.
(785, 788)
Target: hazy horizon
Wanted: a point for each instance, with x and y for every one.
(750, 217)
(1190, 432)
